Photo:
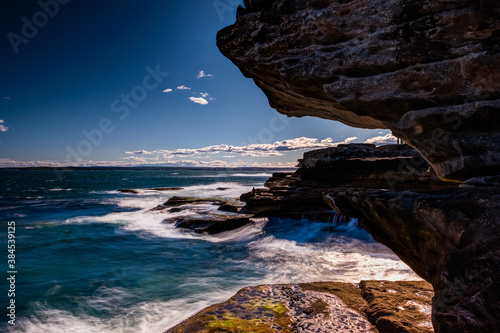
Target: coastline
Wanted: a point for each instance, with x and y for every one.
(112, 259)
(371, 306)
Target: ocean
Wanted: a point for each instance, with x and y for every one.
(91, 259)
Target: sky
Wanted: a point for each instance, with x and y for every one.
(95, 83)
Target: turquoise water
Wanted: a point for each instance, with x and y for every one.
(91, 259)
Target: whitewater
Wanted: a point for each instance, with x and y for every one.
(92, 259)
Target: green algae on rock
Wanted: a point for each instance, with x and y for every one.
(319, 307)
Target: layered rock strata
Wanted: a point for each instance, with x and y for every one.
(300, 194)
(429, 70)
(451, 238)
(284, 195)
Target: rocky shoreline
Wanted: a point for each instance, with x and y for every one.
(437, 228)
(370, 306)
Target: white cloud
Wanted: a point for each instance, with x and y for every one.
(204, 95)
(387, 139)
(198, 100)
(139, 152)
(167, 90)
(183, 87)
(2, 127)
(202, 74)
(8, 163)
(240, 156)
(277, 148)
(135, 161)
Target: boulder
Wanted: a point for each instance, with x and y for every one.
(126, 190)
(232, 206)
(166, 189)
(210, 223)
(180, 201)
(137, 191)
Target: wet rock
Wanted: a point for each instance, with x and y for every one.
(166, 189)
(285, 196)
(179, 201)
(126, 190)
(222, 188)
(318, 307)
(137, 191)
(210, 223)
(232, 206)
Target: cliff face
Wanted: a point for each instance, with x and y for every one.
(450, 238)
(429, 70)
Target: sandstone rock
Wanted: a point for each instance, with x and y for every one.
(300, 194)
(252, 6)
(319, 307)
(232, 206)
(446, 234)
(364, 165)
(355, 150)
(286, 196)
(179, 201)
(450, 238)
(210, 223)
(402, 306)
(429, 70)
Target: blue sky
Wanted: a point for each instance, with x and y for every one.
(88, 83)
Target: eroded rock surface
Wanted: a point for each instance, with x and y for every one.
(319, 307)
(450, 238)
(429, 70)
